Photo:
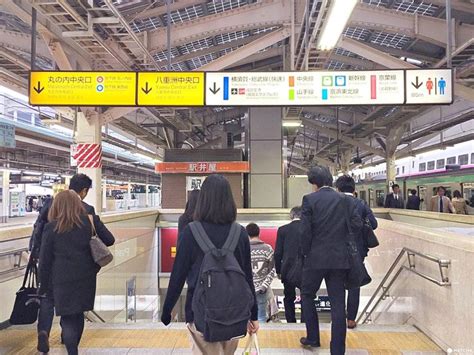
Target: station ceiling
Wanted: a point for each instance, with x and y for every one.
(249, 35)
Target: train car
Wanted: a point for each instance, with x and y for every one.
(452, 168)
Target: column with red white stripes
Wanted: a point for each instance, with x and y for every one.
(88, 155)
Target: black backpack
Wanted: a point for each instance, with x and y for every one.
(223, 299)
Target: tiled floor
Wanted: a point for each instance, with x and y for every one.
(278, 339)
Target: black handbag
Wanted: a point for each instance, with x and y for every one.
(357, 275)
(25, 310)
(370, 238)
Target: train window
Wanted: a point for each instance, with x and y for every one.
(472, 158)
(463, 159)
(431, 165)
(422, 167)
(398, 171)
(413, 164)
(451, 160)
(440, 164)
(403, 169)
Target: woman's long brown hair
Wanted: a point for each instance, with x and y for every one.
(66, 210)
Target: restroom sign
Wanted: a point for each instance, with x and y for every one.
(429, 86)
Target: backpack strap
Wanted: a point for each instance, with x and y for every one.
(201, 237)
(233, 238)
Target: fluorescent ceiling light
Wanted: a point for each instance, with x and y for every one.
(29, 172)
(12, 171)
(339, 13)
(291, 123)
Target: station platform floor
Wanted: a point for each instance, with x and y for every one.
(277, 339)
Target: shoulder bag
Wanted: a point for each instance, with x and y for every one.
(100, 252)
(25, 310)
(357, 275)
(369, 235)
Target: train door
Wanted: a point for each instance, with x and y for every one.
(371, 198)
(423, 197)
(468, 192)
(379, 198)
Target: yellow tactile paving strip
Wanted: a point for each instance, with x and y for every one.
(380, 343)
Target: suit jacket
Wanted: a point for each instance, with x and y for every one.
(324, 229)
(413, 203)
(447, 205)
(42, 220)
(391, 202)
(287, 247)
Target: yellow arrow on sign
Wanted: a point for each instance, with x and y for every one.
(170, 89)
(67, 88)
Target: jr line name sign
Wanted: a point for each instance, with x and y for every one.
(184, 89)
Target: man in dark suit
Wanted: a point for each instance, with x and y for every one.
(414, 201)
(324, 219)
(346, 185)
(286, 252)
(80, 183)
(394, 199)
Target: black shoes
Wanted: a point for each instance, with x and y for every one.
(43, 342)
(310, 343)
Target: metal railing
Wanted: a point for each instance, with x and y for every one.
(18, 253)
(381, 293)
(95, 316)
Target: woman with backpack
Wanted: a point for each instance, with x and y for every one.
(220, 303)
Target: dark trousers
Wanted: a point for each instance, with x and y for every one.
(353, 299)
(290, 297)
(334, 279)
(72, 328)
(46, 314)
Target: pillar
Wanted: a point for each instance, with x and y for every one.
(89, 130)
(5, 195)
(104, 194)
(345, 161)
(391, 143)
(265, 155)
(391, 171)
(147, 195)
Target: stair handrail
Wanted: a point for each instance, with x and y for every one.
(443, 265)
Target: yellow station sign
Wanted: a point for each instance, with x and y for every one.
(68, 88)
(170, 89)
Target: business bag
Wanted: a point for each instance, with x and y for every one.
(100, 252)
(25, 309)
(369, 235)
(293, 274)
(357, 276)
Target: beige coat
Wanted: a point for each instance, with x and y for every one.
(447, 205)
(460, 205)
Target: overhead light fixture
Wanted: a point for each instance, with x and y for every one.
(338, 14)
(34, 173)
(291, 123)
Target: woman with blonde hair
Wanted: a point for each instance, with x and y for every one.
(66, 266)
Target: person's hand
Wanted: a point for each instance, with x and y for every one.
(253, 326)
(33, 258)
(166, 318)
